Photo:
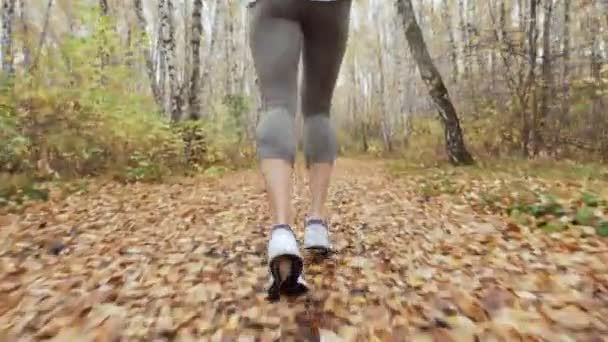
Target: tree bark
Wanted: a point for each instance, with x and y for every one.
(531, 79)
(604, 5)
(27, 56)
(230, 49)
(211, 49)
(168, 43)
(565, 110)
(43, 33)
(385, 124)
(195, 78)
(455, 146)
(8, 14)
(595, 68)
(104, 55)
(453, 49)
(464, 39)
(543, 112)
(150, 68)
(473, 37)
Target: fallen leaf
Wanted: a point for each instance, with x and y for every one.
(448, 255)
(571, 317)
(329, 336)
(469, 306)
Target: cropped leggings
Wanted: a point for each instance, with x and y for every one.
(282, 31)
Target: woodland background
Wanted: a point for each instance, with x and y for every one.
(130, 208)
(146, 88)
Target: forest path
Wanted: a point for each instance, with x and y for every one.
(185, 261)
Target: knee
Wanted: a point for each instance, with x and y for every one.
(275, 136)
(320, 143)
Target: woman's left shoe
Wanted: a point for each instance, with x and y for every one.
(285, 263)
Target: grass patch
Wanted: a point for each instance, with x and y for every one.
(16, 189)
(552, 196)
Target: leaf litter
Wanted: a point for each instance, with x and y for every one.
(185, 261)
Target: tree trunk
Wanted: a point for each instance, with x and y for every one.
(104, 55)
(464, 38)
(494, 59)
(595, 68)
(473, 52)
(195, 78)
(150, 67)
(230, 49)
(565, 110)
(399, 79)
(103, 6)
(531, 80)
(27, 57)
(185, 73)
(604, 6)
(455, 146)
(473, 37)
(363, 131)
(43, 33)
(211, 50)
(540, 121)
(160, 65)
(520, 39)
(6, 40)
(453, 49)
(168, 43)
(385, 125)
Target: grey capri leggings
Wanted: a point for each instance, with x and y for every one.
(280, 32)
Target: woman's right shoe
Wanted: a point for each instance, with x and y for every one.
(285, 264)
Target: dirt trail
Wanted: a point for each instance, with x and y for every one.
(186, 261)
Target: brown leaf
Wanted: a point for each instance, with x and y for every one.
(496, 298)
(329, 336)
(348, 333)
(164, 322)
(571, 317)
(513, 228)
(71, 334)
(502, 333)
(185, 260)
(110, 331)
(469, 306)
(423, 337)
(442, 335)
(185, 336)
(395, 304)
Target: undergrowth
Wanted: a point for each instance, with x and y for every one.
(54, 134)
(547, 195)
(70, 117)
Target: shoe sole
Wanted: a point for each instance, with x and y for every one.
(320, 250)
(286, 270)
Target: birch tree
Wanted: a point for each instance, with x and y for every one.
(6, 40)
(527, 76)
(455, 146)
(197, 32)
(167, 29)
(150, 66)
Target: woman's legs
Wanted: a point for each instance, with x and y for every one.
(276, 45)
(278, 29)
(276, 41)
(325, 27)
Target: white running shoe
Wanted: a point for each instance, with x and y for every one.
(285, 263)
(316, 236)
